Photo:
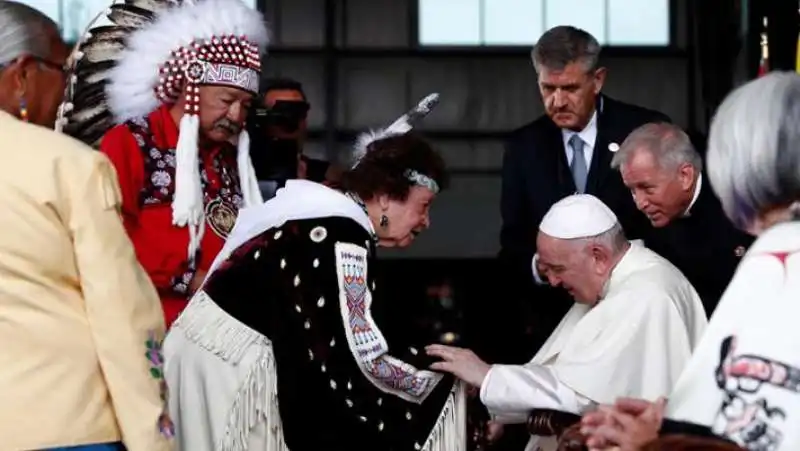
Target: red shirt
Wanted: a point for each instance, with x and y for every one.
(143, 153)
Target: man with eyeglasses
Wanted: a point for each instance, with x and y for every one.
(32, 58)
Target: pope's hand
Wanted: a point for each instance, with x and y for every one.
(461, 363)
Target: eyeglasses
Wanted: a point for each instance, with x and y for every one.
(62, 68)
(50, 64)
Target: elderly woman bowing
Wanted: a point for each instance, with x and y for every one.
(743, 382)
(279, 349)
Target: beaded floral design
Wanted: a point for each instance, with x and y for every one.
(155, 358)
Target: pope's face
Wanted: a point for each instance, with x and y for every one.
(223, 111)
(567, 265)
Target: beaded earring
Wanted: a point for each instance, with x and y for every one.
(23, 110)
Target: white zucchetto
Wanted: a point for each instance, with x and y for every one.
(577, 216)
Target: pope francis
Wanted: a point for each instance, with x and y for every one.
(634, 324)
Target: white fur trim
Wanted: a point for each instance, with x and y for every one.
(365, 139)
(187, 206)
(132, 81)
(247, 174)
(400, 126)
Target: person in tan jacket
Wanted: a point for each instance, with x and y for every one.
(80, 321)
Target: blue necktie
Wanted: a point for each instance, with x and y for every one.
(578, 166)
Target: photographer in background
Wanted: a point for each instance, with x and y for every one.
(278, 128)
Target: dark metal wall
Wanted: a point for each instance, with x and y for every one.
(360, 65)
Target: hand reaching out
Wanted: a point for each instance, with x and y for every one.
(461, 363)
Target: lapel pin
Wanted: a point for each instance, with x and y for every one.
(739, 251)
(613, 147)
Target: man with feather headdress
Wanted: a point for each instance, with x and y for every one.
(165, 91)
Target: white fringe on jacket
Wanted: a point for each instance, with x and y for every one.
(206, 349)
(228, 351)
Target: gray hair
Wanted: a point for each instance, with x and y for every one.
(612, 239)
(24, 31)
(562, 45)
(668, 143)
(754, 147)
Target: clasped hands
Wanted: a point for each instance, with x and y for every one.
(628, 425)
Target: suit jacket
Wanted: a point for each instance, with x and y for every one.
(704, 245)
(80, 322)
(536, 175)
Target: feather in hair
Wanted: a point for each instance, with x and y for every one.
(153, 5)
(399, 127)
(89, 94)
(99, 50)
(130, 15)
(91, 73)
(84, 113)
(105, 32)
(364, 140)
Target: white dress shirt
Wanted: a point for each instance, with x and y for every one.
(588, 135)
(696, 194)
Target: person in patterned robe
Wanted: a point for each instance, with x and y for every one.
(279, 349)
(182, 178)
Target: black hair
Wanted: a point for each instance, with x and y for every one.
(283, 84)
(382, 170)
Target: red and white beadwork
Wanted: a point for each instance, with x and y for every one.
(225, 60)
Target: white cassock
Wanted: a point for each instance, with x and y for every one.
(744, 378)
(635, 342)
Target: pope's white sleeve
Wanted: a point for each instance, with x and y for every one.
(510, 392)
(539, 280)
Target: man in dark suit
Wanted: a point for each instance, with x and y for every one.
(664, 173)
(568, 150)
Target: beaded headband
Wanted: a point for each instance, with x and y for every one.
(225, 61)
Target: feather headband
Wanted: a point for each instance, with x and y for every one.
(401, 126)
